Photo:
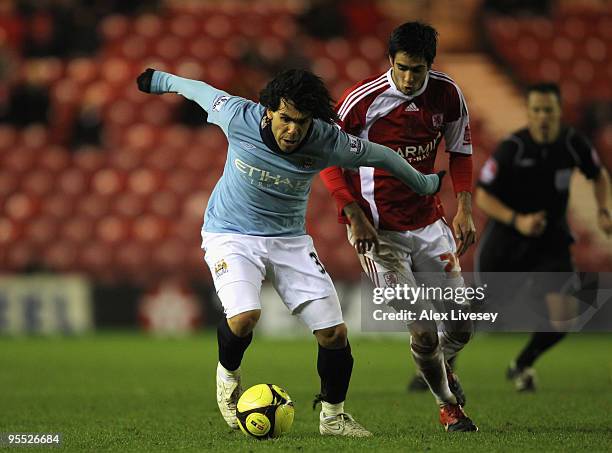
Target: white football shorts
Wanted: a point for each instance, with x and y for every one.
(290, 263)
(425, 256)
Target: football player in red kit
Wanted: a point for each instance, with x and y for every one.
(401, 236)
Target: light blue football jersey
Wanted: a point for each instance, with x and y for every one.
(264, 192)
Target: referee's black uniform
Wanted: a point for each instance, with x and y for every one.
(529, 177)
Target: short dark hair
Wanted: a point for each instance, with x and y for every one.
(416, 39)
(304, 90)
(544, 87)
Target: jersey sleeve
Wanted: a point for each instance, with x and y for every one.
(496, 173)
(350, 121)
(457, 134)
(333, 179)
(584, 153)
(348, 151)
(351, 114)
(220, 106)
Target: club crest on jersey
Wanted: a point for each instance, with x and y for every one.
(488, 171)
(219, 103)
(355, 144)
(390, 278)
(437, 119)
(220, 268)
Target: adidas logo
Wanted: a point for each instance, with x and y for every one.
(411, 108)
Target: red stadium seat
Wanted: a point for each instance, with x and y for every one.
(37, 182)
(73, 181)
(358, 69)
(163, 160)
(82, 70)
(142, 136)
(338, 49)
(155, 112)
(42, 230)
(34, 137)
(190, 68)
(202, 48)
(78, 229)
(218, 25)
(114, 27)
(108, 181)
(20, 255)
(169, 47)
(181, 181)
(325, 68)
(60, 256)
(8, 136)
(58, 205)
(194, 205)
(145, 181)
(149, 26)
(595, 49)
(54, 159)
(135, 48)
(90, 160)
(9, 232)
(165, 204)
(21, 206)
(112, 229)
(529, 48)
(129, 205)
(373, 49)
(149, 229)
(9, 182)
(94, 257)
(94, 205)
(169, 255)
(185, 26)
(121, 113)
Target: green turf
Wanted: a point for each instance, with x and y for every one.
(124, 392)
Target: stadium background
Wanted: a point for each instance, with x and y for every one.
(102, 190)
(106, 185)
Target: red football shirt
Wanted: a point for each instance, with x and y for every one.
(413, 126)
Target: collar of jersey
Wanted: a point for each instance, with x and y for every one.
(268, 138)
(405, 96)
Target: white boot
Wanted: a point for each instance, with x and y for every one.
(228, 393)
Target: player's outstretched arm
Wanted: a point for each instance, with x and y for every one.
(352, 152)
(206, 96)
(380, 156)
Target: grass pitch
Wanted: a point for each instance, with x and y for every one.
(127, 392)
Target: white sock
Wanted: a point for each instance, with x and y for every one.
(331, 410)
(450, 347)
(433, 371)
(226, 374)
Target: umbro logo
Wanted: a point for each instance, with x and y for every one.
(411, 108)
(247, 145)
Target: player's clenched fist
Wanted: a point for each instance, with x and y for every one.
(144, 80)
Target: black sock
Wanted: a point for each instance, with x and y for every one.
(540, 342)
(231, 347)
(335, 367)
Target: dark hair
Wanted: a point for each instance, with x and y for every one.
(545, 87)
(416, 39)
(304, 90)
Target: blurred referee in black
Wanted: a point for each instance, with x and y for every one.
(524, 189)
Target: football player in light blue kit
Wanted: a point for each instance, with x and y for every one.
(254, 225)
